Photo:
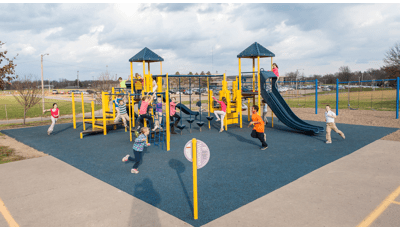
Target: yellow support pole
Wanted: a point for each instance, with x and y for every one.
(167, 107)
(83, 112)
(248, 109)
(113, 98)
(104, 101)
(73, 110)
(149, 80)
(272, 119)
(130, 117)
(159, 80)
(240, 91)
(258, 85)
(133, 111)
(93, 117)
(254, 81)
(194, 166)
(144, 78)
(209, 102)
(131, 77)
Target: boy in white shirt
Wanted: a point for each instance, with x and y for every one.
(330, 125)
(265, 113)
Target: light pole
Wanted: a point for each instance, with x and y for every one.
(41, 61)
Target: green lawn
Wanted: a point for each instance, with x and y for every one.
(16, 111)
(382, 100)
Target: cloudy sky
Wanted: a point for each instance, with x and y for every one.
(93, 38)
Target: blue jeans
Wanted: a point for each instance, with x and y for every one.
(138, 158)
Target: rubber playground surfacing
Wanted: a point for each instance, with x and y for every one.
(237, 173)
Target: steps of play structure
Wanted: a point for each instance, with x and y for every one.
(96, 130)
(109, 112)
(107, 123)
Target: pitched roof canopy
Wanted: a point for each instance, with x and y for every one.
(255, 50)
(146, 55)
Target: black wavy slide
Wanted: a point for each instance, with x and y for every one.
(281, 109)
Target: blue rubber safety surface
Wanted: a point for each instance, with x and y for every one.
(238, 171)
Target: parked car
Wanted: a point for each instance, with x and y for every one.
(54, 91)
(326, 89)
(90, 91)
(188, 92)
(62, 92)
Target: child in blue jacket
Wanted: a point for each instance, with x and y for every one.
(138, 146)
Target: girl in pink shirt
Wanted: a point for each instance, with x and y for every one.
(275, 69)
(144, 114)
(55, 114)
(223, 104)
(172, 114)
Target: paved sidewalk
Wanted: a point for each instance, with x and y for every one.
(20, 121)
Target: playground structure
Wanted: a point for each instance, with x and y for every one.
(255, 82)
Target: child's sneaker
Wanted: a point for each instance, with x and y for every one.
(48, 133)
(221, 130)
(264, 148)
(328, 142)
(134, 171)
(218, 119)
(343, 137)
(125, 159)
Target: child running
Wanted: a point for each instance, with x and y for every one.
(158, 114)
(172, 114)
(55, 114)
(143, 112)
(122, 113)
(258, 130)
(138, 146)
(330, 124)
(222, 112)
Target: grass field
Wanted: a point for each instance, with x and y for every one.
(16, 111)
(382, 100)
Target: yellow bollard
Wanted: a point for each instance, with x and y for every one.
(194, 160)
(130, 117)
(73, 110)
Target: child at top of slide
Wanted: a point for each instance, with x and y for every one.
(275, 69)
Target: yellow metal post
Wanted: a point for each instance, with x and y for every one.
(258, 85)
(194, 160)
(159, 80)
(104, 101)
(131, 78)
(93, 117)
(167, 106)
(149, 80)
(144, 78)
(83, 112)
(73, 110)
(248, 109)
(130, 117)
(113, 98)
(240, 91)
(209, 101)
(272, 119)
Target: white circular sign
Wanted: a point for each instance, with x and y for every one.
(202, 150)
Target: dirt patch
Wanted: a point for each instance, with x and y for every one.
(20, 148)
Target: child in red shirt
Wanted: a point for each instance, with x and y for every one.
(275, 69)
(143, 113)
(55, 113)
(258, 130)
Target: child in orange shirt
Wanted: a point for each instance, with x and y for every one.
(258, 130)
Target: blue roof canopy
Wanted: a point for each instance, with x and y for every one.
(255, 50)
(146, 55)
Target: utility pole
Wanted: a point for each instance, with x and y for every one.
(77, 78)
(41, 62)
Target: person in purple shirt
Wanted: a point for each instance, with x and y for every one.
(221, 112)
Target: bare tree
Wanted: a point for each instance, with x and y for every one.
(104, 82)
(8, 70)
(344, 73)
(392, 57)
(28, 93)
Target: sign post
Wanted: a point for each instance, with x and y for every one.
(198, 153)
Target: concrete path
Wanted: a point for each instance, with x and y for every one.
(19, 121)
(47, 192)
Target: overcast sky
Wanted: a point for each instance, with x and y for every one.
(315, 38)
